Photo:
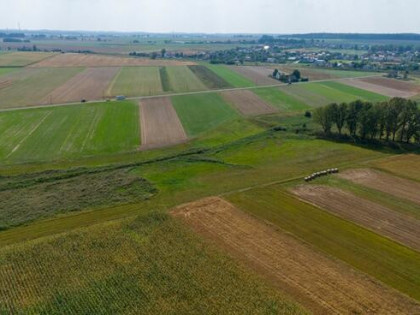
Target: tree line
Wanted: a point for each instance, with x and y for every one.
(395, 120)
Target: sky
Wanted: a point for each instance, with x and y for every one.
(214, 16)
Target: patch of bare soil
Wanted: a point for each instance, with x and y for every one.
(373, 216)
(322, 284)
(393, 185)
(248, 103)
(160, 125)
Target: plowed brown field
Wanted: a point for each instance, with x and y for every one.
(380, 219)
(160, 125)
(322, 284)
(396, 186)
(248, 103)
(82, 60)
(91, 84)
(380, 89)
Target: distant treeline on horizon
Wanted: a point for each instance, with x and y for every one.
(357, 36)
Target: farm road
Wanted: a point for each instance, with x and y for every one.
(185, 93)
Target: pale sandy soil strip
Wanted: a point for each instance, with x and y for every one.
(323, 285)
(402, 228)
(387, 91)
(248, 103)
(90, 84)
(160, 125)
(393, 185)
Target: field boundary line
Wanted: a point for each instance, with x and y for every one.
(134, 98)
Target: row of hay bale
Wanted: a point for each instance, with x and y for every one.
(322, 173)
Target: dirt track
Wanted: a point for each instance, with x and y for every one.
(258, 75)
(380, 219)
(248, 103)
(91, 84)
(160, 125)
(380, 89)
(82, 60)
(396, 186)
(323, 285)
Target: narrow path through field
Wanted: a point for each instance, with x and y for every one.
(397, 226)
(322, 284)
(160, 125)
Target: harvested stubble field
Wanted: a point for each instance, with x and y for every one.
(136, 81)
(202, 112)
(322, 284)
(402, 228)
(91, 84)
(210, 79)
(406, 165)
(376, 88)
(91, 60)
(160, 125)
(247, 103)
(386, 260)
(21, 59)
(258, 75)
(130, 267)
(182, 79)
(68, 132)
(393, 185)
(30, 86)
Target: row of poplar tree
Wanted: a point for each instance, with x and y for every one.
(397, 119)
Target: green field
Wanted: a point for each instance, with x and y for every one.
(182, 79)
(390, 262)
(131, 266)
(202, 112)
(209, 78)
(4, 71)
(359, 93)
(21, 59)
(136, 81)
(30, 86)
(230, 76)
(281, 100)
(323, 93)
(68, 132)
